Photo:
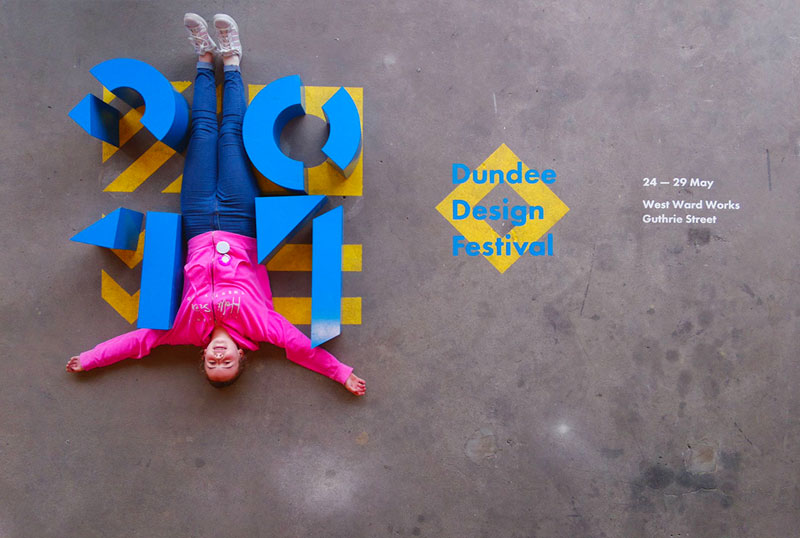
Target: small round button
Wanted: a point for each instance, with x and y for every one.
(225, 259)
(223, 247)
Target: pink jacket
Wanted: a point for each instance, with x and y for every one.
(236, 295)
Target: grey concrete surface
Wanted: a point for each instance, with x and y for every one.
(640, 383)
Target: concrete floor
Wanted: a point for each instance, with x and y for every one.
(641, 382)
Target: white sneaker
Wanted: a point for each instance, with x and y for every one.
(198, 33)
(228, 35)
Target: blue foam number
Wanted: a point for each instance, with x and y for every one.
(326, 277)
(279, 217)
(97, 118)
(166, 112)
(343, 146)
(267, 115)
(162, 271)
(119, 229)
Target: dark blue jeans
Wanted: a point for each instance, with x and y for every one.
(219, 189)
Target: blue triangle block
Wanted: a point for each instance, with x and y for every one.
(97, 118)
(120, 229)
(279, 217)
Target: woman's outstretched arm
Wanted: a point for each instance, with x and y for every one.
(277, 330)
(133, 345)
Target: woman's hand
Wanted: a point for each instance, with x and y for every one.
(74, 365)
(356, 385)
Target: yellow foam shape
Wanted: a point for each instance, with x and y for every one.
(125, 304)
(297, 310)
(175, 186)
(352, 258)
(180, 85)
(297, 257)
(142, 168)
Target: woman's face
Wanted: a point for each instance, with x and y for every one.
(221, 359)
